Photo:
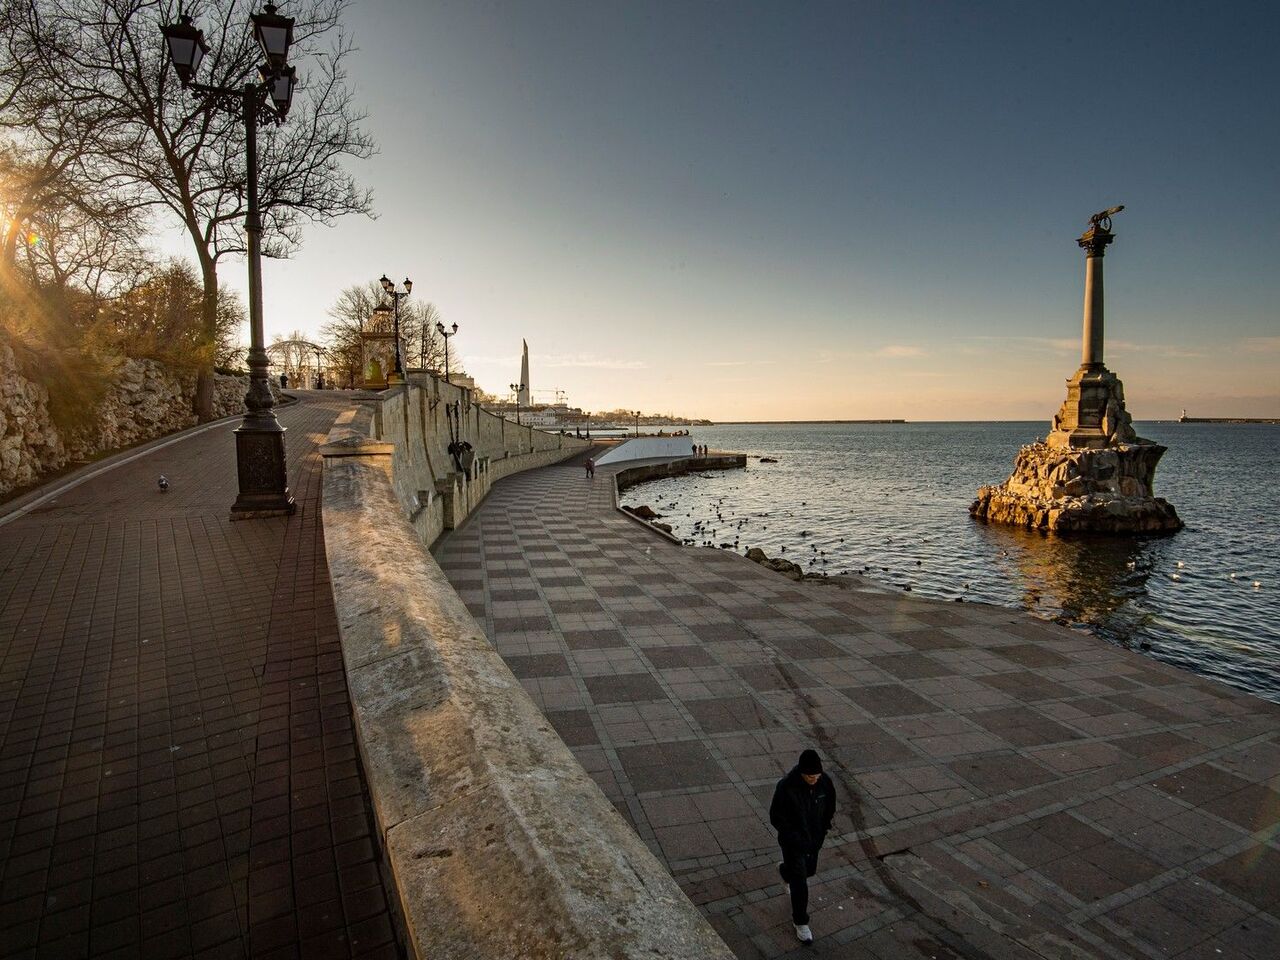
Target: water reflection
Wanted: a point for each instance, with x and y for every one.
(1088, 581)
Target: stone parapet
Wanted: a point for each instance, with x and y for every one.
(498, 843)
(422, 418)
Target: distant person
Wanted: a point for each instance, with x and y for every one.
(320, 382)
(695, 449)
(591, 467)
(804, 801)
(284, 380)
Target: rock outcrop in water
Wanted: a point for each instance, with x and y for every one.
(1080, 490)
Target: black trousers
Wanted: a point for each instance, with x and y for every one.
(797, 867)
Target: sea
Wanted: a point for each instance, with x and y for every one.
(889, 503)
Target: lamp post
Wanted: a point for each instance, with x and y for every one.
(637, 423)
(260, 450)
(517, 389)
(440, 328)
(397, 374)
(318, 351)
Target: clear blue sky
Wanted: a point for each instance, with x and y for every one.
(789, 210)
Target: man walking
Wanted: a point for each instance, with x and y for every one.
(591, 467)
(804, 802)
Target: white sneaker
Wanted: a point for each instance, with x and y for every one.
(803, 933)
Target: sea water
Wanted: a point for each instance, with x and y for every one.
(889, 503)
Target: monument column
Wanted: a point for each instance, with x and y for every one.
(1092, 473)
(1094, 242)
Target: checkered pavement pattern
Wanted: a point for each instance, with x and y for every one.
(1008, 788)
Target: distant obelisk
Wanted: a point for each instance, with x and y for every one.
(523, 398)
(1092, 473)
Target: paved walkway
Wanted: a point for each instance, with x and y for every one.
(178, 775)
(1008, 788)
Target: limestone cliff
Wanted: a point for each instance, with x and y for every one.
(143, 401)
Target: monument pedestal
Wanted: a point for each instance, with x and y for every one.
(1093, 415)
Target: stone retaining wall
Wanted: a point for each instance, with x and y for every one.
(498, 843)
(436, 494)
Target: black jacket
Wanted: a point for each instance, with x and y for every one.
(800, 813)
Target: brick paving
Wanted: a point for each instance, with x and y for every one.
(178, 770)
(1008, 788)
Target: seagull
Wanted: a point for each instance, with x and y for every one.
(163, 483)
(1181, 564)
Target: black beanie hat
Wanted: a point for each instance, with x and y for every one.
(810, 762)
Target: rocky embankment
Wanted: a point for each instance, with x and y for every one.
(1072, 490)
(143, 401)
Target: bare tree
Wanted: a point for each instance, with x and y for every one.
(59, 235)
(67, 218)
(182, 152)
(353, 313)
(425, 342)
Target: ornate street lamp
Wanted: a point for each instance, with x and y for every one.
(637, 423)
(260, 448)
(440, 328)
(388, 285)
(517, 389)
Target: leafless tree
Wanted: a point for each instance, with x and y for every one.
(68, 219)
(183, 153)
(353, 313)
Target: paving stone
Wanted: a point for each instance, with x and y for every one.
(200, 689)
(1048, 766)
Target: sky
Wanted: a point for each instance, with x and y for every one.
(775, 211)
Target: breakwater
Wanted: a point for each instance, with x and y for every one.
(631, 476)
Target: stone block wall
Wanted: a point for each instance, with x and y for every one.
(422, 419)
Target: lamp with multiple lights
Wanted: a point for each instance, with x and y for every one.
(260, 448)
(517, 389)
(389, 287)
(446, 333)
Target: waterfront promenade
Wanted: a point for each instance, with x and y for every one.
(178, 774)
(1008, 789)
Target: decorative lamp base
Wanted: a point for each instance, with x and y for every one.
(263, 473)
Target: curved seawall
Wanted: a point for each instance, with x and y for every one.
(498, 843)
